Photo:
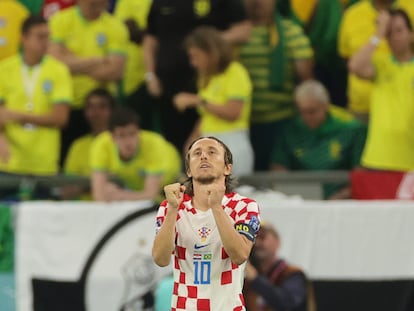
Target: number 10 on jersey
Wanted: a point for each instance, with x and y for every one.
(202, 272)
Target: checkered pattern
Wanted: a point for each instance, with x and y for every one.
(204, 277)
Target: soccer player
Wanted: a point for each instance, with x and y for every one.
(209, 228)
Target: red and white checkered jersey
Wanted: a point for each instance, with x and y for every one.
(204, 276)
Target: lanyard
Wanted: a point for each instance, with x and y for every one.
(29, 84)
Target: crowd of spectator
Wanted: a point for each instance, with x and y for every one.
(286, 84)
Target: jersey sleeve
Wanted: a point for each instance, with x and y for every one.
(99, 157)
(239, 86)
(119, 39)
(57, 26)
(159, 219)
(247, 221)
(298, 42)
(63, 86)
(71, 166)
(157, 162)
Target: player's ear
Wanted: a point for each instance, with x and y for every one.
(228, 169)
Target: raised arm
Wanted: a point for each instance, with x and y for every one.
(361, 63)
(164, 241)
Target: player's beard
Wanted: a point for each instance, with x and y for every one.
(205, 180)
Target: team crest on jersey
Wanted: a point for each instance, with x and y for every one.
(101, 39)
(3, 22)
(47, 86)
(335, 149)
(204, 232)
(202, 7)
(299, 152)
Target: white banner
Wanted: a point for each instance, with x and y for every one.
(98, 256)
(80, 256)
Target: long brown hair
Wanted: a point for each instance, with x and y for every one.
(209, 40)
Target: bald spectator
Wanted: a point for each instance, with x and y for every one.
(319, 140)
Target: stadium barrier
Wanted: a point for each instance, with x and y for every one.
(94, 256)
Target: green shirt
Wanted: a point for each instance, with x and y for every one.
(335, 145)
(272, 105)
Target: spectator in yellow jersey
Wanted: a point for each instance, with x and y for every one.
(98, 107)
(390, 142)
(35, 93)
(12, 15)
(224, 96)
(92, 43)
(357, 26)
(142, 160)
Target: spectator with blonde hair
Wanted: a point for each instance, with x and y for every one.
(224, 96)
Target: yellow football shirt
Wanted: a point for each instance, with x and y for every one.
(233, 83)
(77, 160)
(155, 156)
(12, 15)
(390, 142)
(103, 36)
(34, 149)
(357, 26)
(138, 11)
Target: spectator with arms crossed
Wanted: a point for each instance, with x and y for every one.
(91, 42)
(209, 228)
(144, 161)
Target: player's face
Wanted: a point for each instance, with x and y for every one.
(312, 112)
(126, 139)
(199, 59)
(36, 40)
(400, 38)
(206, 161)
(266, 246)
(98, 112)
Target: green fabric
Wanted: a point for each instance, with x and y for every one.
(323, 31)
(335, 145)
(34, 6)
(278, 57)
(6, 239)
(268, 104)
